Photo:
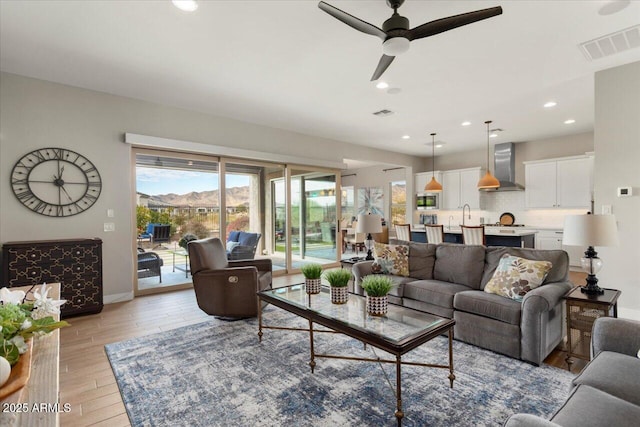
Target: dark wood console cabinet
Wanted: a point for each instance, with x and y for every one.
(75, 263)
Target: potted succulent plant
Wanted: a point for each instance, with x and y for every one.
(377, 287)
(338, 280)
(312, 277)
(184, 241)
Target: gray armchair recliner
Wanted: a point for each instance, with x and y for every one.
(226, 288)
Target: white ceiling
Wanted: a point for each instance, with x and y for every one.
(287, 64)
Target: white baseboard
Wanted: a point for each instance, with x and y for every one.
(628, 313)
(110, 299)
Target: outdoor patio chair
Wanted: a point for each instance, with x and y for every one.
(161, 234)
(223, 288)
(242, 245)
(149, 264)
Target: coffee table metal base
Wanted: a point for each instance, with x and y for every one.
(399, 414)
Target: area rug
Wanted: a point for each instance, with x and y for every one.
(216, 373)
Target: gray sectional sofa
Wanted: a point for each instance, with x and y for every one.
(448, 280)
(607, 392)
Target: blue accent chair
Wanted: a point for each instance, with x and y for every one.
(242, 245)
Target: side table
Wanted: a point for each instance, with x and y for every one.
(582, 311)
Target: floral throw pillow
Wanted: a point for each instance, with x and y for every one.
(516, 276)
(391, 259)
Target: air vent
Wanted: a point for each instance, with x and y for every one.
(383, 113)
(612, 43)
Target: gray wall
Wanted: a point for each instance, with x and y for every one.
(36, 114)
(617, 161)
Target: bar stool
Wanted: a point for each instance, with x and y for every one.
(473, 235)
(403, 232)
(435, 233)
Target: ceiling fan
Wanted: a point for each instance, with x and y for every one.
(395, 32)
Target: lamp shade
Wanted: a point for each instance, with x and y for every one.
(590, 230)
(369, 224)
(433, 186)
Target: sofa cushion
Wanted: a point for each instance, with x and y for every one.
(433, 291)
(391, 259)
(516, 276)
(461, 264)
(422, 257)
(233, 236)
(559, 271)
(588, 406)
(613, 373)
(488, 305)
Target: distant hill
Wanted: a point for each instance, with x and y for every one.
(236, 196)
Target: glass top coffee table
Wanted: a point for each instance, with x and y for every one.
(401, 330)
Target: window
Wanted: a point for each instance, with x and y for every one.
(348, 208)
(398, 205)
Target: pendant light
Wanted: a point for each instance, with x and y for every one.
(433, 186)
(488, 181)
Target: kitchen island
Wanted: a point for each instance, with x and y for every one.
(495, 236)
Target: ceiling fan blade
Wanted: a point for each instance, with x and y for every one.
(352, 21)
(446, 24)
(384, 63)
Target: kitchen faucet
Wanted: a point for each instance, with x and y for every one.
(466, 205)
(450, 218)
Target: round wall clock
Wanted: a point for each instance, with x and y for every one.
(56, 182)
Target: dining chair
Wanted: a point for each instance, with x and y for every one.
(473, 235)
(435, 233)
(403, 232)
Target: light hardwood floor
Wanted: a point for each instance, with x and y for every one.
(86, 379)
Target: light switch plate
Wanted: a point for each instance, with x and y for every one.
(109, 226)
(110, 213)
(606, 210)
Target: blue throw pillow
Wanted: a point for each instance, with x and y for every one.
(248, 239)
(233, 236)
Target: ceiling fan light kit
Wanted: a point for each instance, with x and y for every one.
(395, 33)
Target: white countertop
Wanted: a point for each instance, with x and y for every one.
(489, 231)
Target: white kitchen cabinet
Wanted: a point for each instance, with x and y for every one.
(460, 187)
(423, 178)
(565, 183)
(552, 239)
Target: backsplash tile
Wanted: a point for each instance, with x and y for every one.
(499, 202)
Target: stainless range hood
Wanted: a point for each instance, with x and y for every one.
(504, 166)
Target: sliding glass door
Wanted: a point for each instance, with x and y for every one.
(290, 212)
(177, 199)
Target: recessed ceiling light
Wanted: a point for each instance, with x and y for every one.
(466, 123)
(382, 85)
(439, 144)
(186, 5)
(550, 104)
(405, 137)
(493, 135)
(569, 122)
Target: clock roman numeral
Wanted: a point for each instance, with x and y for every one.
(40, 156)
(18, 181)
(25, 195)
(59, 153)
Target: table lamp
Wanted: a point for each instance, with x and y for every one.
(371, 223)
(590, 230)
